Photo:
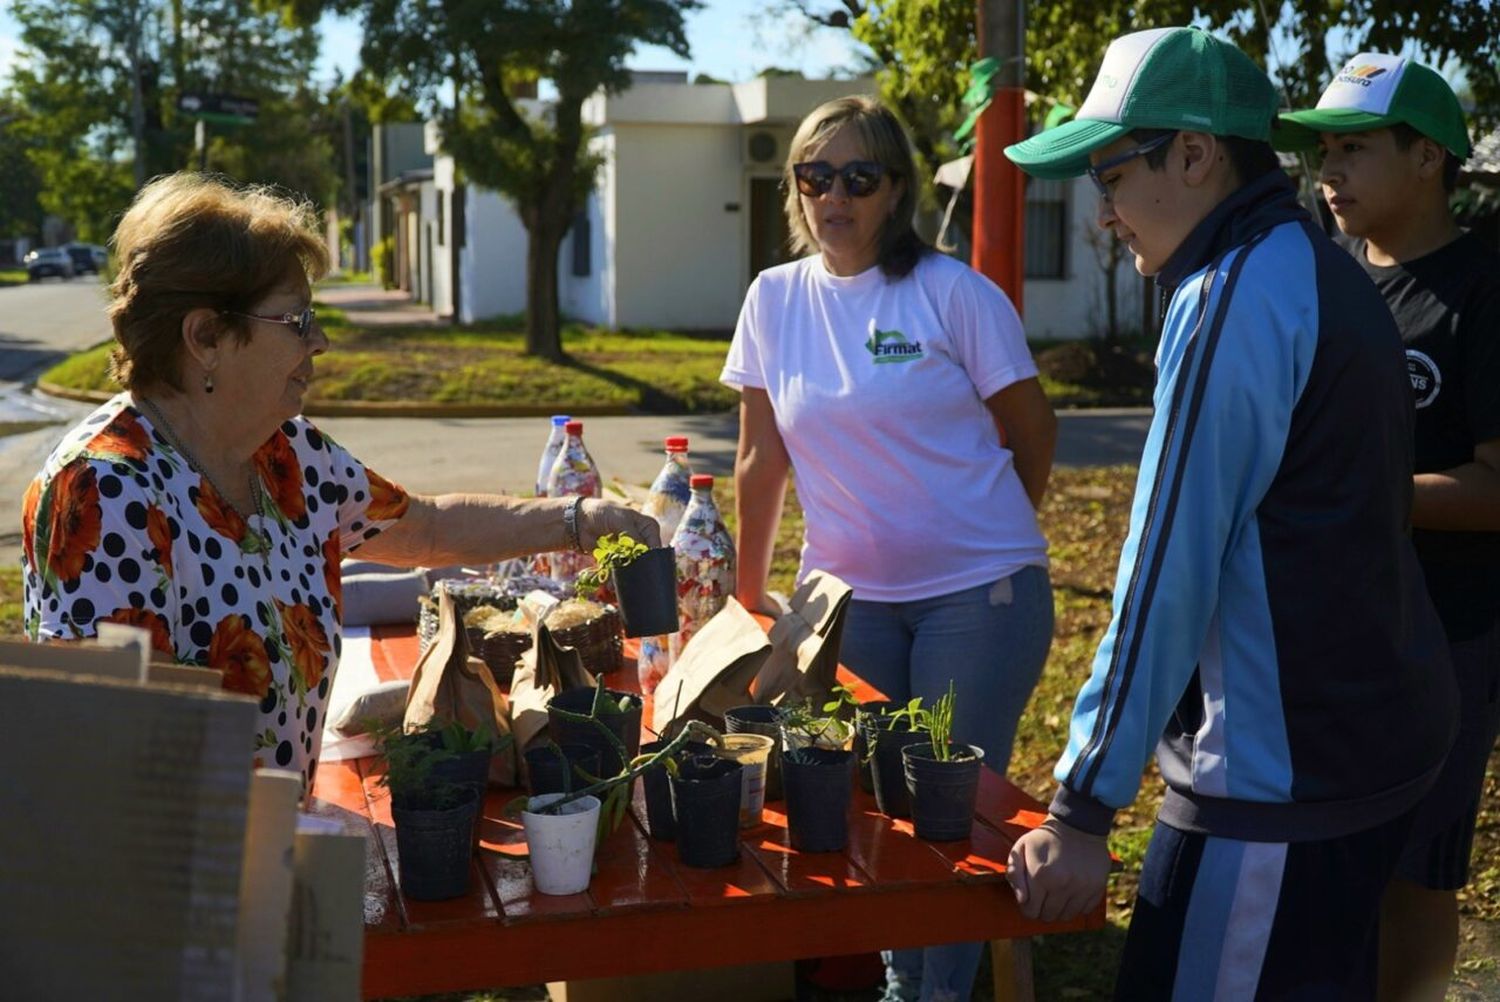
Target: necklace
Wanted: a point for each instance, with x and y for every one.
(262, 536)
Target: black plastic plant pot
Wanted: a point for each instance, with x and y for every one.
(818, 788)
(434, 848)
(706, 806)
(550, 768)
(864, 717)
(887, 769)
(760, 720)
(942, 793)
(647, 589)
(626, 726)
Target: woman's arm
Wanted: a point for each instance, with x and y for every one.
(761, 466)
(485, 528)
(1465, 498)
(1028, 428)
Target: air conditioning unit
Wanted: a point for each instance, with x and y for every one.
(764, 146)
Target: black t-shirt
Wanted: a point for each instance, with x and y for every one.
(1447, 305)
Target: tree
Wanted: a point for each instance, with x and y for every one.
(101, 79)
(20, 184)
(923, 48)
(484, 53)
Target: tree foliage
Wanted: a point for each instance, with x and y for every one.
(20, 182)
(923, 48)
(467, 61)
(101, 79)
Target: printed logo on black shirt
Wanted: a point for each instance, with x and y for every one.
(1426, 378)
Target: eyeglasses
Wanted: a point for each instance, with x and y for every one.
(301, 323)
(1096, 172)
(861, 177)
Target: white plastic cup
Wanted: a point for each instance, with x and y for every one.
(753, 751)
(561, 845)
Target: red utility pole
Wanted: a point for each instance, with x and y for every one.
(999, 188)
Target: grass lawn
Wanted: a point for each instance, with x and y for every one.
(1085, 518)
(13, 276)
(485, 363)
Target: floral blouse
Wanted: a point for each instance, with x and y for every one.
(118, 527)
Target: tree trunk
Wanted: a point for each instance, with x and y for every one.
(543, 324)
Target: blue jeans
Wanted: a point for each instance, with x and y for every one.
(991, 641)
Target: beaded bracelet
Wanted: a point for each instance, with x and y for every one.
(570, 524)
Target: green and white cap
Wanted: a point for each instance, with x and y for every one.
(1375, 91)
(1164, 78)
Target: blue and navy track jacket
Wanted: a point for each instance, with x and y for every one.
(1271, 636)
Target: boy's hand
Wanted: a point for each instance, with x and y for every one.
(1058, 872)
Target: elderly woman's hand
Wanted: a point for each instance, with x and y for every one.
(598, 517)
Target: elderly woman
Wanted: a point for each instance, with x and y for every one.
(898, 383)
(201, 507)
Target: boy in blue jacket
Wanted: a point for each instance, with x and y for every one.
(1271, 639)
(1390, 137)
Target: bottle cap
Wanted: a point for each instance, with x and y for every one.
(575, 427)
(677, 443)
(701, 480)
(560, 419)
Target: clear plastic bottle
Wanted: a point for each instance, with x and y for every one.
(572, 473)
(555, 440)
(705, 562)
(666, 503)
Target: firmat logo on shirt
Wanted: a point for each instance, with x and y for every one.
(892, 346)
(1361, 75)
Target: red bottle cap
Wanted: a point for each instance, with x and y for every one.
(701, 480)
(574, 427)
(677, 443)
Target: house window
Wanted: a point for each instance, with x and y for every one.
(1046, 229)
(582, 252)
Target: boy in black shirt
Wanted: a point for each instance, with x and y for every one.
(1392, 139)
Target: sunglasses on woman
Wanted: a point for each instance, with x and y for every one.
(861, 177)
(301, 323)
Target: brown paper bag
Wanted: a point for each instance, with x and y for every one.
(804, 657)
(449, 685)
(544, 671)
(714, 671)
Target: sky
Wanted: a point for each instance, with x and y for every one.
(729, 39)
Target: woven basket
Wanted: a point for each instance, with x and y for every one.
(501, 650)
(600, 641)
(467, 594)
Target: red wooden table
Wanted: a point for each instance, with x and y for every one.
(643, 912)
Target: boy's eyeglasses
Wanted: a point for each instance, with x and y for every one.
(861, 177)
(1097, 171)
(301, 323)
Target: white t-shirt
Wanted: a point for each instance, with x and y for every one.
(878, 388)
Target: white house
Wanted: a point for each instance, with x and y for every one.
(687, 209)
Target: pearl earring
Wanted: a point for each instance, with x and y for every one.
(208, 382)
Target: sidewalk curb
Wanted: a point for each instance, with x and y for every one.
(392, 408)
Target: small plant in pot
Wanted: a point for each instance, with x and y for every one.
(644, 579)
(831, 728)
(886, 736)
(576, 716)
(434, 816)
(865, 717)
(564, 829)
(942, 778)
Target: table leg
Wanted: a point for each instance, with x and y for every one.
(1011, 961)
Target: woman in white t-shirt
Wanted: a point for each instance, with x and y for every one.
(896, 381)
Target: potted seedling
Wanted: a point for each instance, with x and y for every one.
(803, 726)
(885, 736)
(645, 581)
(554, 768)
(865, 717)
(942, 778)
(563, 829)
(574, 716)
(434, 816)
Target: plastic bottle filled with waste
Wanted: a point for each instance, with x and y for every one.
(666, 503)
(555, 440)
(572, 473)
(705, 562)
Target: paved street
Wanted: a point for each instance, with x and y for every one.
(431, 455)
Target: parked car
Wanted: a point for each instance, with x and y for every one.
(88, 259)
(49, 261)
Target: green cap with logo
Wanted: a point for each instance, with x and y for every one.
(1164, 78)
(1376, 91)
